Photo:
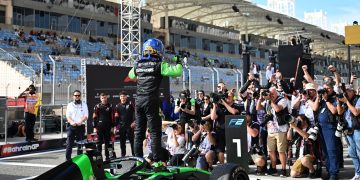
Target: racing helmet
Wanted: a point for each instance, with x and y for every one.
(152, 48)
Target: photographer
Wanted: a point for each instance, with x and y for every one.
(191, 129)
(218, 113)
(304, 102)
(250, 102)
(263, 110)
(277, 129)
(325, 105)
(176, 145)
(306, 156)
(186, 108)
(349, 107)
(255, 151)
(207, 140)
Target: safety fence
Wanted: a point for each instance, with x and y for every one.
(50, 123)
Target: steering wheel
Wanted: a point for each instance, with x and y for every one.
(115, 162)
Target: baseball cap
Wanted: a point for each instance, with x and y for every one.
(182, 95)
(310, 86)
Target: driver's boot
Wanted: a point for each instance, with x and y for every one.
(159, 166)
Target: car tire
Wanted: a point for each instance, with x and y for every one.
(229, 171)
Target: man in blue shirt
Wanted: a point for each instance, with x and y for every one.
(325, 106)
(350, 104)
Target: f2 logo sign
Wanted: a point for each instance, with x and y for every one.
(236, 122)
(238, 146)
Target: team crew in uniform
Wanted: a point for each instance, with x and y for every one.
(103, 122)
(124, 115)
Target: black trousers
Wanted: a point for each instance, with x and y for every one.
(147, 113)
(103, 133)
(126, 133)
(176, 160)
(74, 133)
(29, 125)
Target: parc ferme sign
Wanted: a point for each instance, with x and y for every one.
(236, 141)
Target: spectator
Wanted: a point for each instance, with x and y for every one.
(269, 71)
(206, 108)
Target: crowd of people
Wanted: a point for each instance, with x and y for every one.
(288, 125)
(280, 118)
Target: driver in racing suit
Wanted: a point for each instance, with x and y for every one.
(150, 70)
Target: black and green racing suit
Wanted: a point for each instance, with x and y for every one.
(149, 76)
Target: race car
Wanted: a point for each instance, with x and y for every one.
(90, 165)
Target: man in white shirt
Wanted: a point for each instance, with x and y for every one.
(76, 114)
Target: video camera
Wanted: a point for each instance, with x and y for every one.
(217, 97)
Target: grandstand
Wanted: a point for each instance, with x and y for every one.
(53, 36)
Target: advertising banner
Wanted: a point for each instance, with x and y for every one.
(112, 80)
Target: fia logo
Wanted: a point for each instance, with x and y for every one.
(236, 122)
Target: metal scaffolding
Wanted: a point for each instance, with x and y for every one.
(130, 32)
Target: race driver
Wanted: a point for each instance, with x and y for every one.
(149, 71)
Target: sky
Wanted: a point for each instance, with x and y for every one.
(338, 11)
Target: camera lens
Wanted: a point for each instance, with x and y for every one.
(183, 106)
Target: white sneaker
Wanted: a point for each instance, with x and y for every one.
(356, 177)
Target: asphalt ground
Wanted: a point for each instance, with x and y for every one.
(30, 165)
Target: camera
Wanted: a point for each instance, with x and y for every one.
(339, 129)
(341, 95)
(289, 119)
(192, 153)
(265, 92)
(217, 97)
(267, 118)
(303, 91)
(313, 133)
(256, 150)
(174, 126)
(183, 106)
(321, 92)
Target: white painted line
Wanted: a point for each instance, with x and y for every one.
(32, 177)
(27, 164)
(34, 154)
